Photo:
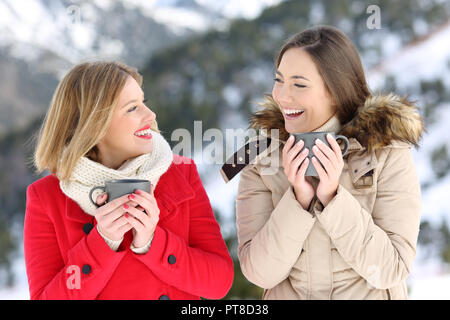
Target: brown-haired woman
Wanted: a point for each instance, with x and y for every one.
(351, 232)
(162, 243)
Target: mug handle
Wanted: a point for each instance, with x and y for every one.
(90, 195)
(346, 143)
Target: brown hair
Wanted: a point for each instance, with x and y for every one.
(339, 65)
(80, 113)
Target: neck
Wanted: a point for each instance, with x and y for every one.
(331, 125)
(111, 161)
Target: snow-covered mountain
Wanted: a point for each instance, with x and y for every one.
(79, 29)
(201, 14)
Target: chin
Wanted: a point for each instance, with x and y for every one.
(141, 152)
(291, 129)
(146, 150)
(136, 152)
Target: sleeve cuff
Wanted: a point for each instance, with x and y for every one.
(290, 217)
(113, 244)
(341, 214)
(143, 249)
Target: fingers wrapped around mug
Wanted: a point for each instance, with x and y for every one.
(330, 173)
(331, 159)
(298, 165)
(290, 154)
(144, 222)
(137, 218)
(145, 200)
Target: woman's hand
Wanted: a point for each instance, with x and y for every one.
(333, 162)
(143, 222)
(292, 161)
(110, 220)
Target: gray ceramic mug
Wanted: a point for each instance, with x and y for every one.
(119, 187)
(310, 140)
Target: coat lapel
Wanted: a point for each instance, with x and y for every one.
(171, 190)
(74, 211)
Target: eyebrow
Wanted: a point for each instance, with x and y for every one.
(293, 77)
(134, 100)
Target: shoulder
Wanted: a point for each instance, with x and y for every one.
(45, 191)
(49, 182)
(395, 156)
(181, 165)
(398, 144)
(393, 148)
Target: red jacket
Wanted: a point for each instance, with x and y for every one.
(66, 258)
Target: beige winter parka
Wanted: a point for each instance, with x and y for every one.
(363, 243)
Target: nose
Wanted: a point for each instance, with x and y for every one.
(282, 94)
(151, 116)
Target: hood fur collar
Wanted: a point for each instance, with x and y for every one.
(380, 121)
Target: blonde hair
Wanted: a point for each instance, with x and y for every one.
(79, 116)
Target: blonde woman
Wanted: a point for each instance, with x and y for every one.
(162, 243)
(351, 232)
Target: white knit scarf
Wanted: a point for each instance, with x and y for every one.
(88, 173)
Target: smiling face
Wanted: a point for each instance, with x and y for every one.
(131, 115)
(300, 92)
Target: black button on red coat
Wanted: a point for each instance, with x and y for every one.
(87, 227)
(164, 297)
(172, 259)
(86, 269)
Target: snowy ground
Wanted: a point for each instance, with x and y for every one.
(431, 288)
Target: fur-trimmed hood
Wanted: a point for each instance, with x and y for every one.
(380, 121)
